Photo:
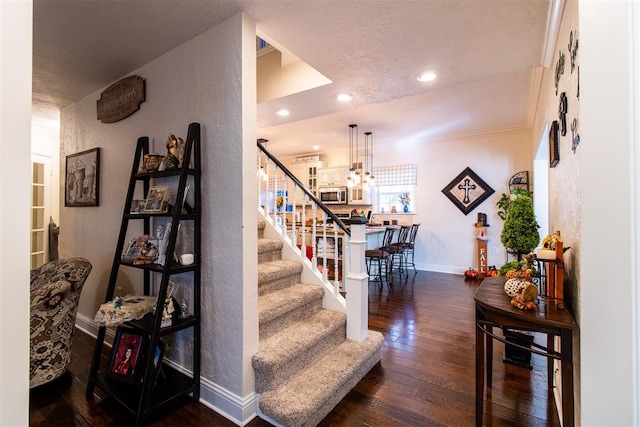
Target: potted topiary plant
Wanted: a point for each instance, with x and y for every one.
(520, 231)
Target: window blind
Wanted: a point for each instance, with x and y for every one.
(396, 175)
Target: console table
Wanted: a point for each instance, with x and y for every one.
(494, 310)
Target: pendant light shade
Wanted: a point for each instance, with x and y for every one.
(367, 179)
(354, 177)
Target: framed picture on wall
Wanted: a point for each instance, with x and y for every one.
(554, 149)
(467, 191)
(82, 179)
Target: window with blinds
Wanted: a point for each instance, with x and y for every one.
(395, 189)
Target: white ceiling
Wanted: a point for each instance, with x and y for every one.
(486, 53)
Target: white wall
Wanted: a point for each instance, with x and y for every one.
(203, 80)
(446, 240)
(15, 184)
(609, 220)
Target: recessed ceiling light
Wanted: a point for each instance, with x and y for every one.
(282, 112)
(316, 147)
(344, 97)
(427, 76)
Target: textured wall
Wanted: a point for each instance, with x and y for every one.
(564, 179)
(199, 81)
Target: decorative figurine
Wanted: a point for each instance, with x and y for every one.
(172, 160)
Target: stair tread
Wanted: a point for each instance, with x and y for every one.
(272, 270)
(299, 337)
(266, 245)
(277, 303)
(324, 381)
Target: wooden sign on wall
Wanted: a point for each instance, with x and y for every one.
(121, 99)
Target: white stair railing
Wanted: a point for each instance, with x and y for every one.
(335, 252)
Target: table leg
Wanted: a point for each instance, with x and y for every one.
(480, 340)
(566, 349)
(550, 360)
(489, 356)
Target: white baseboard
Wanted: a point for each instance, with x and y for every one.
(437, 268)
(90, 327)
(231, 406)
(235, 408)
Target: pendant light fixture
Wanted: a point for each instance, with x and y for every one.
(367, 179)
(354, 175)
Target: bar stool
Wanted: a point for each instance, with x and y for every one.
(397, 250)
(410, 246)
(381, 258)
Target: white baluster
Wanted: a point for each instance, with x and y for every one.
(314, 244)
(336, 260)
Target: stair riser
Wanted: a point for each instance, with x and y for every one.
(275, 376)
(346, 387)
(277, 284)
(277, 324)
(267, 256)
(306, 400)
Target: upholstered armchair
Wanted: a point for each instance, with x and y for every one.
(55, 291)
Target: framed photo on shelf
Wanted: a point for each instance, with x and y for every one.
(126, 355)
(81, 181)
(157, 362)
(137, 206)
(141, 250)
(156, 198)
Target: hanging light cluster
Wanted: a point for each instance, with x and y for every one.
(354, 174)
(367, 179)
(355, 177)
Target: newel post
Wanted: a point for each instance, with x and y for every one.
(357, 283)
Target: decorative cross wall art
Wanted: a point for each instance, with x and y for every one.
(467, 191)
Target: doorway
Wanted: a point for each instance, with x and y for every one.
(40, 209)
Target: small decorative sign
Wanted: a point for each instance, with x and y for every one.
(121, 99)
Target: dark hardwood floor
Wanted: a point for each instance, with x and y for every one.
(426, 377)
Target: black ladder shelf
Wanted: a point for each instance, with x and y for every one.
(146, 396)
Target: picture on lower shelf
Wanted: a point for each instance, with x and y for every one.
(157, 362)
(125, 355)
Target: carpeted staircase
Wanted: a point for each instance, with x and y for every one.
(304, 365)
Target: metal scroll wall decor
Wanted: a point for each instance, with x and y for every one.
(559, 127)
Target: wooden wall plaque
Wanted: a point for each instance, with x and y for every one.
(121, 99)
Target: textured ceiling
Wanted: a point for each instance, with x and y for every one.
(486, 53)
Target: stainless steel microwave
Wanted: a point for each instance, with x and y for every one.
(333, 195)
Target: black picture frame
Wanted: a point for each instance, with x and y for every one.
(120, 367)
(467, 191)
(157, 362)
(554, 149)
(82, 179)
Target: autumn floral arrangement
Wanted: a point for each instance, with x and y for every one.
(518, 286)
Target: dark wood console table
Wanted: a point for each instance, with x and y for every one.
(493, 309)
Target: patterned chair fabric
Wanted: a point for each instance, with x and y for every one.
(55, 292)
